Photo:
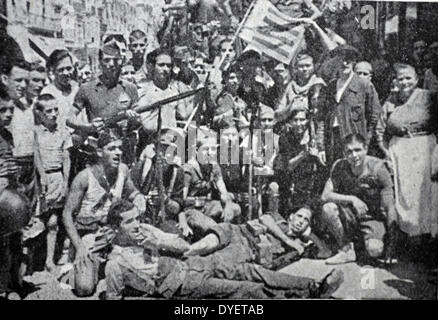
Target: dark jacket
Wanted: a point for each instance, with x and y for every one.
(357, 111)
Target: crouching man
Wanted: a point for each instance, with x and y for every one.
(92, 192)
(137, 261)
(359, 199)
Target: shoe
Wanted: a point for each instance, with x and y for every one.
(342, 257)
(331, 283)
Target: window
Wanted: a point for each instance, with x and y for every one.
(28, 6)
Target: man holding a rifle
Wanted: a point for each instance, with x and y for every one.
(105, 96)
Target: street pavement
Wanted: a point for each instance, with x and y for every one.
(401, 281)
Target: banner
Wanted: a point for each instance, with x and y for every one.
(269, 31)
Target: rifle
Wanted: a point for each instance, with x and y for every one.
(122, 115)
(251, 165)
(162, 213)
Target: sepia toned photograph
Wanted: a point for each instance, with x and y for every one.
(198, 150)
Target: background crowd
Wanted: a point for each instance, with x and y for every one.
(341, 145)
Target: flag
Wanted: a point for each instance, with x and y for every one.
(269, 31)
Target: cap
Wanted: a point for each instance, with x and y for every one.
(266, 112)
(111, 48)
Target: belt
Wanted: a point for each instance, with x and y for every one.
(53, 170)
(197, 202)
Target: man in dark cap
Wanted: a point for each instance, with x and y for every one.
(352, 105)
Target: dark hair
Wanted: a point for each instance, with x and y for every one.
(4, 95)
(43, 98)
(294, 112)
(56, 57)
(14, 212)
(114, 217)
(38, 68)
(137, 33)
(152, 56)
(116, 37)
(356, 137)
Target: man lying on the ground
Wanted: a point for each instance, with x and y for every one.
(135, 263)
(270, 240)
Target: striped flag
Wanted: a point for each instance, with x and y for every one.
(272, 32)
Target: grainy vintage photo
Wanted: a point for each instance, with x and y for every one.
(218, 149)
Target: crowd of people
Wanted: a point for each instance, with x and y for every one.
(100, 177)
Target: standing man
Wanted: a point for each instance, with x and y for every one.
(359, 200)
(14, 78)
(296, 93)
(137, 46)
(63, 88)
(352, 105)
(162, 86)
(105, 97)
(281, 77)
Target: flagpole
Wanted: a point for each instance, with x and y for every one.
(233, 39)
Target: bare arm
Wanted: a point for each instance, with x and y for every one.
(73, 202)
(329, 195)
(276, 231)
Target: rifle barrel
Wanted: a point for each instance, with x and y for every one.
(140, 109)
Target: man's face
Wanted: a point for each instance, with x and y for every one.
(16, 82)
(406, 81)
(208, 152)
(123, 49)
(197, 34)
(346, 66)
(227, 49)
(37, 81)
(163, 68)
(6, 112)
(299, 123)
(363, 70)
(267, 122)
(138, 47)
(50, 110)
(199, 67)
(232, 83)
(111, 154)
(299, 221)
(355, 152)
(281, 74)
(305, 69)
(85, 74)
(128, 73)
(111, 65)
(230, 135)
(129, 229)
(64, 72)
(419, 49)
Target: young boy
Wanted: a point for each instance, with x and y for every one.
(52, 162)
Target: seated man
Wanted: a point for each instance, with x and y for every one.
(204, 187)
(92, 192)
(145, 175)
(134, 263)
(359, 199)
